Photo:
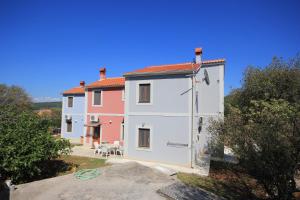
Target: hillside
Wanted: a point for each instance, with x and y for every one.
(46, 105)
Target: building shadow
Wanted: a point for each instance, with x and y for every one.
(4, 193)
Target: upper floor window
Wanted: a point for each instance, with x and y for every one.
(70, 102)
(97, 98)
(144, 93)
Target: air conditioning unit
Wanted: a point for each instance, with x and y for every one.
(94, 118)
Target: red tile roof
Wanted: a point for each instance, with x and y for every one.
(172, 68)
(75, 90)
(108, 83)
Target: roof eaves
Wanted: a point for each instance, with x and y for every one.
(221, 61)
(135, 74)
(106, 86)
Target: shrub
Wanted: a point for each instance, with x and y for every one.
(262, 125)
(25, 144)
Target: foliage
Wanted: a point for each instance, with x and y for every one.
(26, 144)
(15, 96)
(67, 164)
(262, 125)
(53, 116)
(278, 80)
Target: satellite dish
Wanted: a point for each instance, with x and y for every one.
(206, 78)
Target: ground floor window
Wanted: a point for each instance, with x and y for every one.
(144, 138)
(69, 126)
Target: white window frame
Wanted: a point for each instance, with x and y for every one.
(137, 91)
(143, 126)
(101, 100)
(72, 102)
(123, 94)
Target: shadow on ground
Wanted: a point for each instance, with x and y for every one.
(4, 192)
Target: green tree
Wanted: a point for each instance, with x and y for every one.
(26, 144)
(262, 125)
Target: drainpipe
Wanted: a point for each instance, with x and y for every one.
(192, 115)
(198, 60)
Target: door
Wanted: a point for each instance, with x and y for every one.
(96, 134)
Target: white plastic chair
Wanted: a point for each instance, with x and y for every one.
(105, 151)
(116, 143)
(97, 148)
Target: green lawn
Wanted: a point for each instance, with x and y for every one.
(226, 180)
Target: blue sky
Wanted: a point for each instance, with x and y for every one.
(49, 46)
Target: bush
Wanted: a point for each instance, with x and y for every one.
(25, 144)
(262, 125)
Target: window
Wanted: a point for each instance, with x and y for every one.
(122, 131)
(144, 93)
(144, 138)
(97, 98)
(70, 102)
(69, 126)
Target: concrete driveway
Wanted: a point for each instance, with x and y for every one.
(119, 181)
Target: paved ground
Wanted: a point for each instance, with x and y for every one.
(120, 181)
(88, 152)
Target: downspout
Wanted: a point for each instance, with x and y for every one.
(192, 116)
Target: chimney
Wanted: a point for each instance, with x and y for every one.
(82, 83)
(102, 73)
(198, 54)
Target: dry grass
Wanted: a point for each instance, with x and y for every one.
(79, 162)
(226, 180)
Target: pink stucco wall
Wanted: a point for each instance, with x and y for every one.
(112, 103)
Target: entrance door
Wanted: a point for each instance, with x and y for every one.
(96, 134)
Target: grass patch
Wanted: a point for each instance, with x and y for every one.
(83, 162)
(67, 165)
(76, 145)
(226, 180)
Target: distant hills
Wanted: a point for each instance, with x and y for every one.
(46, 105)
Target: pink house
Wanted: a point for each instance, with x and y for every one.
(104, 115)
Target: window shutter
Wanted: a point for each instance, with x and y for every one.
(144, 93)
(97, 97)
(144, 138)
(70, 101)
(147, 93)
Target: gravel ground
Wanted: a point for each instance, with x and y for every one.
(120, 181)
(180, 191)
